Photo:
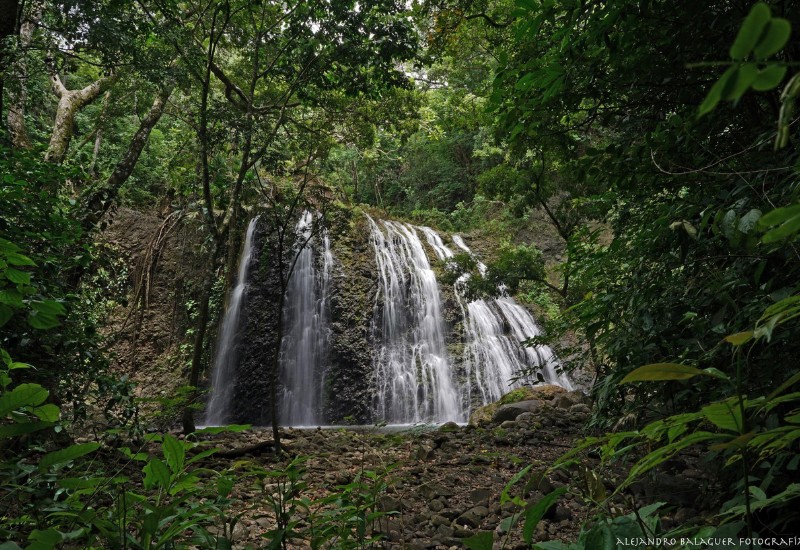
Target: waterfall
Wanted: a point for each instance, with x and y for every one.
(495, 352)
(491, 358)
(392, 358)
(304, 347)
(413, 376)
(225, 361)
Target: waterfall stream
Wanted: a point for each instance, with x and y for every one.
(412, 370)
(226, 359)
(416, 364)
(306, 318)
(499, 355)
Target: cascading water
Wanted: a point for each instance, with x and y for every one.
(414, 380)
(392, 365)
(494, 351)
(226, 358)
(304, 348)
(491, 358)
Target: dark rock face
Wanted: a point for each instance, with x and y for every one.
(251, 400)
(349, 377)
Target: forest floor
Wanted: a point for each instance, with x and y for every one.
(444, 484)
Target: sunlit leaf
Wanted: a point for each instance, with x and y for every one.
(739, 338)
(661, 371)
(725, 415)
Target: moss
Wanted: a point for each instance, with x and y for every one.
(514, 396)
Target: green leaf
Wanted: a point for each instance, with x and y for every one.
(233, 428)
(750, 31)
(156, 473)
(739, 338)
(794, 379)
(783, 231)
(50, 307)
(14, 258)
(778, 216)
(481, 541)
(42, 321)
(48, 412)
(174, 453)
(773, 38)
(661, 371)
(11, 297)
(80, 482)
(44, 540)
(504, 495)
(749, 221)
(534, 514)
(224, 486)
(725, 415)
(66, 455)
(600, 537)
(24, 395)
(5, 314)
(18, 277)
(769, 78)
(7, 431)
(715, 93)
(740, 81)
(716, 373)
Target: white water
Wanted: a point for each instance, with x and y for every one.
(223, 374)
(414, 380)
(304, 349)
(497, 329)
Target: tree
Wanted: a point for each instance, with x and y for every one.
(281, 72)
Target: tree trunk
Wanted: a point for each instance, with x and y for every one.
(69, 103)
(273, 374)
(100, 200)
(18, 93)
(199, 344)
(8, 27)
(98, 139)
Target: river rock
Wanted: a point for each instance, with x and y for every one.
(526, 418)
(436, 505)
(513, 410)
(387, 503)
(561, 513)
(480, 496)
(473, 516)
(580, 408)
(444, 531)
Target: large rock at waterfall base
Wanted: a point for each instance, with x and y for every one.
(542, 395)
(513, 410)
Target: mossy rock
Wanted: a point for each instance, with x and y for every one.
(544, 392)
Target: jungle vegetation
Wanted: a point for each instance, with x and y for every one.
(659, 139)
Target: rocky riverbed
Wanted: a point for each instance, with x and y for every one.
(443, 484)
